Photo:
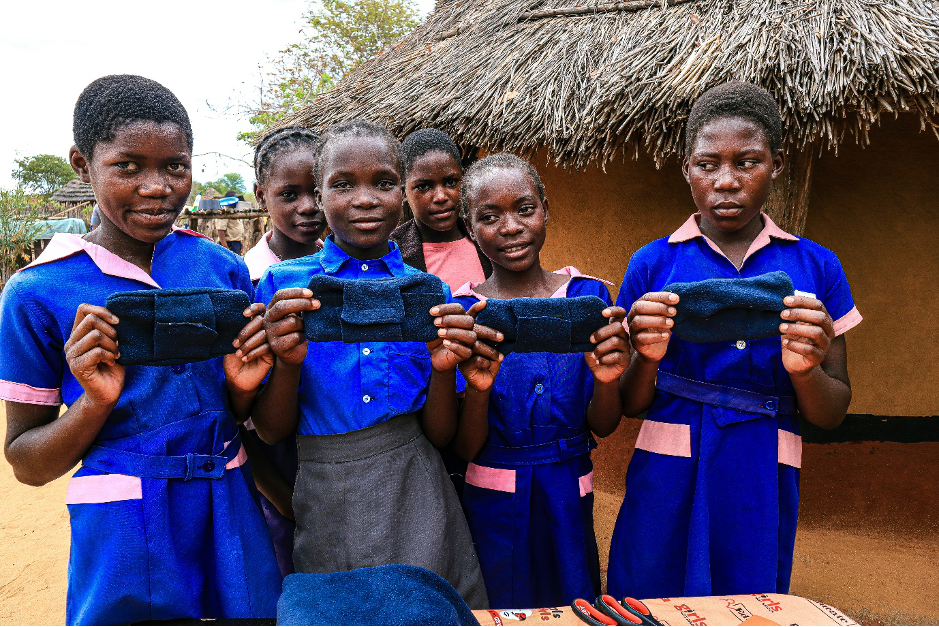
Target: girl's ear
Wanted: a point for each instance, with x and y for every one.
(544, 204)
(259, 196)
(78, 162)
(779, 162)
(318, 198)
(685, 165)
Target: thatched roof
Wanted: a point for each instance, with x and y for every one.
(522, 75)
(75, 192)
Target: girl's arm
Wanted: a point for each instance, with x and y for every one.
(439, 414)
(480, 372)
(276, 409)
(650, 327)
(607, 362)
(41, 445)
(816, 360)
(266, 477)
(246, 368)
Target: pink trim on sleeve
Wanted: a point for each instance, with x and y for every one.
(238, 459)
(103, 489)
(790, 448)
(664, 438)
(586, 484)
(501, 479)
(22, 393)
(261, 257)
(847, 321)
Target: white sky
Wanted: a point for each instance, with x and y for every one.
(204, 51)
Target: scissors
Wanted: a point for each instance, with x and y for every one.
(590, 615)
(630, 612)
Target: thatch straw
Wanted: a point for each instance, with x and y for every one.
(519, 76)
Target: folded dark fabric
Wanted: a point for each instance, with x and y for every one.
(394, 594)
(177, 326)
(721, 310)
(374, 310)
(544, 325)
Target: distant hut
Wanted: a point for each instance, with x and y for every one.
(78, 197)
(598, 93)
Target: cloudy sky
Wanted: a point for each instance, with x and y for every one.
(206, 52)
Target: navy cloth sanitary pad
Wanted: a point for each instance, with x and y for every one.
(177, 326)
(544, 325)
(374, 310)
(394, 594)
(722, 310)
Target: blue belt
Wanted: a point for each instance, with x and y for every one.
(725, 396)
(559, 450)
(183, 467)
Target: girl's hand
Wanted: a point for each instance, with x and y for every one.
(611, 356)
(481, 369)
(650, 324)
(246, 368)
(456, 337)
(284, 326)
(91, 353)
(807, 333)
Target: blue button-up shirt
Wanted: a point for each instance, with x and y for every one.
(345, 387)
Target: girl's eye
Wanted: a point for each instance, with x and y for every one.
(421, 187)
(342, 185)
(128, 166)
(707, 166)
(288, 195)
(748, 163)
(177, 167)
(386, 185)
(452, 183)
(526, 209)
(487, 217)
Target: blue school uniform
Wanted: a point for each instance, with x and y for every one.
(368, 382)
(164, 517)
(712, 491)
(528, 495)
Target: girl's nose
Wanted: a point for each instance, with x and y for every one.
(307, 207)
(727, 179)
(365, 196)
(440, 194)
(154, 186)
(510, 225)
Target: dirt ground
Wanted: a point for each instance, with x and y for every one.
(868, 540)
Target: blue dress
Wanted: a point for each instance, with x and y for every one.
(144, 548)
(712, 491)
(529, 494)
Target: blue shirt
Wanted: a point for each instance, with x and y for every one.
(541, 397)
(346, 387)
(37, 312)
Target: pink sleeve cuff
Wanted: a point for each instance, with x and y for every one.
(22, 393)
(847, 322)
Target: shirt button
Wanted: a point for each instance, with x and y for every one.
(366, 398)
(741, 345)
(539, 389)
(366, 351)
(179, 369)
(364, 267)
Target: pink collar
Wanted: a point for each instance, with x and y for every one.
(261, 257)
(468, 288)
(692, 229)
(64, 245)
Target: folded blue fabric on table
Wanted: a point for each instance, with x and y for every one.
(544, 325)
(177, 326)
(722, 310)
(394, 594)
(374, 310)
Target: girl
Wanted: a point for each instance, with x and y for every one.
(164, 522)
(435, 239)
(528, 494)
(371, 488)
(284, 186)
(712, 491)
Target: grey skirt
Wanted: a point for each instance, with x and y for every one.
(379, 496)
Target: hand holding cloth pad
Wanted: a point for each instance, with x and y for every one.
(374, 310)
(544, 325)
(177, 326)
(723, 310)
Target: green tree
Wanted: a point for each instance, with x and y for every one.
(229, 181)
(19, 214)
(338, 36)
(43, 174)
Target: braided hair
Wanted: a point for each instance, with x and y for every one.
(112, 102)
(279, 141)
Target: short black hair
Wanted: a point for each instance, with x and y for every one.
(425, 140)
(111, 102)
(739, 100)
(355, 128)
(500, 161)
(281, 140)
